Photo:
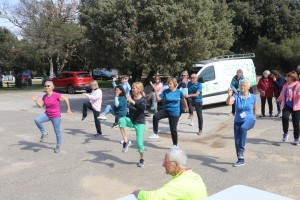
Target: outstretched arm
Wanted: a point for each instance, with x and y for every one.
(39, 104)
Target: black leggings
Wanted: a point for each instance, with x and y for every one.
(263, 105)
(286, 112)
(198, 106)
(88, 105)
(173, 121)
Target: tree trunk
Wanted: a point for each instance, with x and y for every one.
(149, 77)
(51, 67)
(137, 73)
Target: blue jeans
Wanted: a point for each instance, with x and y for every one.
(39, 120)
(108, 109)
(240, 135)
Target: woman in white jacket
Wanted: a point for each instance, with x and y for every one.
(94, 104)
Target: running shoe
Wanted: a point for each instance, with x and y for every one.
(126, 146)
(43, 137)
(296, 142)
(192, 123)
(141, 163)
(239, 163)
(285, 137)
(115, 125)
(57, 149)
(102, 117)
(153, 136)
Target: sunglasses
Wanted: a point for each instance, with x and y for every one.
(46, 85)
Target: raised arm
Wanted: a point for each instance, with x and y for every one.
(39, 104)
(230, 99)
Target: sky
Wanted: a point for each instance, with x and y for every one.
(6, 23)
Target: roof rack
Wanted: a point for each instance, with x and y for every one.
(234, 56)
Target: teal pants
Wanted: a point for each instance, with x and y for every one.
(139, 131)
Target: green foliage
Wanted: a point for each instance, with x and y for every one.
(284, 56)
(138, 36)
(7, 44)
(275, 20)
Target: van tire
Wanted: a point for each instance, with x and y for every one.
(70, 89)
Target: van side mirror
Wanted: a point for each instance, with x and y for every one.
(200, 80)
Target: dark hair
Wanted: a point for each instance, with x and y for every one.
(122, 89)
(276, 73)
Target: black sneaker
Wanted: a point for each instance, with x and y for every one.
(141, 163)
(263, 115)
(43, 137)
(239, 163)
(115, 125)
(126, 146)
(98, 134)
(83, 118)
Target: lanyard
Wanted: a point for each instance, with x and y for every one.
(245, 102)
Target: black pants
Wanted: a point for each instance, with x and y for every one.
(198, 106)
(233, 108)
(87, 105)
(263, 105)
(173, 121)
(286, 112)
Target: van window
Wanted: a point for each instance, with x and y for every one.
(208, 74)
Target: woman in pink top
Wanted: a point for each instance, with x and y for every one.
(51, 100)
(290, 104)
(94, 104)
(157, 84)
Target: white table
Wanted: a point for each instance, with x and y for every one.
(242, 192)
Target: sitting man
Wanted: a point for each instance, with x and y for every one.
(185, 184)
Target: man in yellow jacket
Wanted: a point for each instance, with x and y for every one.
(185, 184)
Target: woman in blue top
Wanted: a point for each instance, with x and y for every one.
(119, 109)
(172, 97)
(245, 105)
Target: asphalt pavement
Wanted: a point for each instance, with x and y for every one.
(92, 168)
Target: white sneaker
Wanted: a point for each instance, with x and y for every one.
(102, 117)
(122, 141)
(191, 124)
(175, 147)
(153, 136)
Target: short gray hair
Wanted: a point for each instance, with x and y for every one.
(245, 81)
(50, 83)
(239, 70)
(178, 155)
(267, 72)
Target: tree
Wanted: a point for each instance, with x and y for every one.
(275, 20)
(50, 28)
(284, 56)
(150, 36)
(7, 44)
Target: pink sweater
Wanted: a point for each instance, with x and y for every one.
(296, 97)
(96, 99)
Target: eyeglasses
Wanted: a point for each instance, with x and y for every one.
(46, 85)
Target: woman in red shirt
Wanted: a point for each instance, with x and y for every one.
(266, 88)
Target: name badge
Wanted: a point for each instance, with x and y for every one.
(243, 115)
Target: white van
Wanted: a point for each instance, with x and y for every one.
(218, 72)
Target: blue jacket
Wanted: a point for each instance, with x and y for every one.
(236, 84)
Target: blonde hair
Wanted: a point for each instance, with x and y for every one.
(50, 83)
(185, 72)
(95, 83)
(140, 87)
(173, 80)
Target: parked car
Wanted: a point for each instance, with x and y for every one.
(70, 81)
(102, 74)
(26, 78)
